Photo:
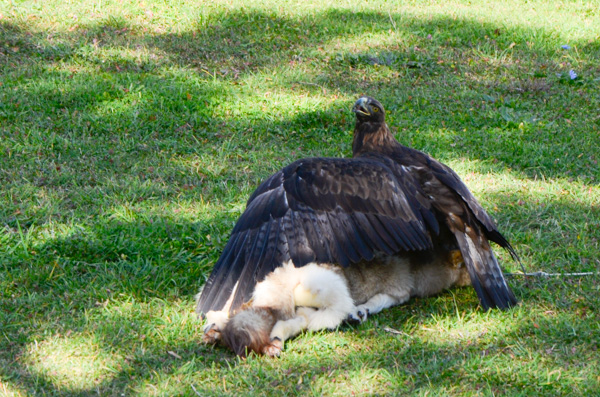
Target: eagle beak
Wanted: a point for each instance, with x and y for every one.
(361, 107)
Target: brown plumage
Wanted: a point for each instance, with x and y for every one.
(387, 200)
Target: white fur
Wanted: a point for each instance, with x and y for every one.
(311, 297)
(285, 329)
(218, 319)
(327, 291)
(313, 285)
(321, 296)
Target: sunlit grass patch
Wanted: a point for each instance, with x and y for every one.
(72, 362)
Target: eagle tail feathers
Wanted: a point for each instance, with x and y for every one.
(486, 276)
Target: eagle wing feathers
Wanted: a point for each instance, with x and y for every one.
(325, 210)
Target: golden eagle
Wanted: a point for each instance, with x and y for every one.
(387, 200)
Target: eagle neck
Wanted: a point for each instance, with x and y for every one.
(372, 137)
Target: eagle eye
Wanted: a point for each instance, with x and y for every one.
(375, 109)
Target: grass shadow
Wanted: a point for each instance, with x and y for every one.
(497, 95)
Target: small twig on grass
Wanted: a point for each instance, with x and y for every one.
(544, 274)
(394, 331)
(392, 20)
(195, 391)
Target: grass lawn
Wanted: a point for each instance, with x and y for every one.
(132, 133)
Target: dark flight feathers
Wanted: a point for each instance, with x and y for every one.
(387, 199)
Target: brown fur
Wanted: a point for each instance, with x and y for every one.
(405, 276)
(249, 330)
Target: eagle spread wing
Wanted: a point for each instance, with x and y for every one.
(387, 199)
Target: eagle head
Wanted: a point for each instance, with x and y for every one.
(368, 109)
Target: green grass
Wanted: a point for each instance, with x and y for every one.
(132, 133)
